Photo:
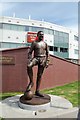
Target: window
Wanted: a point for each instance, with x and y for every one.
(13, 27)
(60, 33)
(50, 48)
(56, 38)
(6, 26)
(0, 45)
(66, 35)
(76, 38)
(1, 25)
(56, 33)
(35, 29)
(20, 28)
(55, 49)
(26, 28)
(76, 51)
(5, 45)
(48, 31)
(51, 32)
(61, 39)
(63, 49)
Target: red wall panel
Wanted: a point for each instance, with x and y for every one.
(15, 78)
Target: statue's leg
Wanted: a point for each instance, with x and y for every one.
(38, 82)
(30, 74)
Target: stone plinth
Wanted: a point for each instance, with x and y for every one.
(36, 103)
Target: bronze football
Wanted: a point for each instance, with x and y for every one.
(28, 95)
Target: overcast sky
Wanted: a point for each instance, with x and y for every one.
(61, 13)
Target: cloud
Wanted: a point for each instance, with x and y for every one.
(62, 13)
(6, 7)
(73, 27)
(1, 9)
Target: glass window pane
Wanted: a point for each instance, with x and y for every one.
(56, 32)
(50, 48)
(66, 35)
(1, 25)
(50, 32)
(60, 33)
(26, 28)
(14, 27)
(46, 31)
(76, 51)
(76, 38)
(55, 49)
(6, 26)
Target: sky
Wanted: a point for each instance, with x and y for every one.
(60, 13)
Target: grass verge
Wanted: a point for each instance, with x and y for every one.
(68, 91)
(9, 94)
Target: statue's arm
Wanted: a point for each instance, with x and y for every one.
(30, 51)
(47, 55)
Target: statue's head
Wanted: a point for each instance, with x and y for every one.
(40, 35)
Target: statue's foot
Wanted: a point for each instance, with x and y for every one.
(37, 93)
(29, 86)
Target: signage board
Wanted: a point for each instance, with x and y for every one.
(31, 36)
(7, 60)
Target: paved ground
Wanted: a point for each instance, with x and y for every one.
(59, 108)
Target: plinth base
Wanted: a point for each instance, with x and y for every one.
(36, 103)
(59, 108)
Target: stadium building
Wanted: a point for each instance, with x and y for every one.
(17, 32)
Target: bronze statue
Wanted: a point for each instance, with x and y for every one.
(41, 58)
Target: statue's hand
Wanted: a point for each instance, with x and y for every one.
(29, 61)
(47, 65)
